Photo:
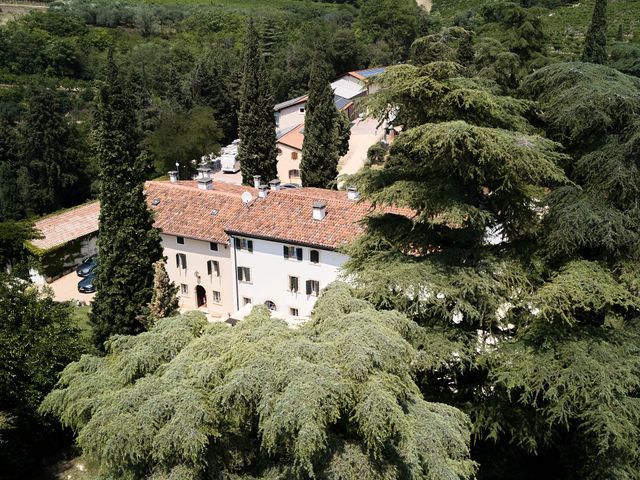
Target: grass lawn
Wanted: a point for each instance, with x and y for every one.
(80, 317)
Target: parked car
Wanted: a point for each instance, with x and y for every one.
(88, 283)
(87, 266)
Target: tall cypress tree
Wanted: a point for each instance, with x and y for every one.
(48, 148)
(129, 245)
(11, 201)
(256, 121)
(319, 164)
(595, 44)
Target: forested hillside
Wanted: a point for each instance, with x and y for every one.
(492, 332)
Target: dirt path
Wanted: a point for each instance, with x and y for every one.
(426, 4)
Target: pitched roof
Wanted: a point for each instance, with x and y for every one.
(186, 211)
(286, 216)
(58, 229)
(367, 73)
(294, 137)
(290, 103)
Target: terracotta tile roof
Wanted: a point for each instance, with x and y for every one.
(286, 216)
(186, 211)
(58, 229)
(294, 137)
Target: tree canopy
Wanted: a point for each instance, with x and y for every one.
(332, 399)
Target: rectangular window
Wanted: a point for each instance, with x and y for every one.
(216, 297)
(315, 256)
(301, 109)
(213, 246)
(244, 274)
(244, 244)
(294, 174)
(294, 156)
(184, 289)
(313, 287)
(246, 301)
(181, 261)
(293, 312)
(213, 268)
(292, 252)
(180, 240)
(293, 284)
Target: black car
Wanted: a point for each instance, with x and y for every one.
(87, 266)
(88, 283)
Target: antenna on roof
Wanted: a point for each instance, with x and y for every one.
(246, 198)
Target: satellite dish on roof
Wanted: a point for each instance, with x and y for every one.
(246, 198)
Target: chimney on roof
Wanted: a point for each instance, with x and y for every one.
(256, 181)
(275, 184)
(205, 183)
(204, 172)
(319, 209)
(173, 176)
(353, 194)
(263, 191)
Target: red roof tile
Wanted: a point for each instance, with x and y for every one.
(294, 138)
(186, 211)
(58, 229)
(287, 216)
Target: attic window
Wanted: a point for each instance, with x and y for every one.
(156, 202)
(214, 212)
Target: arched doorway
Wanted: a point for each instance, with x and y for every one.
(201, 296)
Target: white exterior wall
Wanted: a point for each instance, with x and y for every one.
(270, 273)
(198, 253)
(286, 163)
(291, 116)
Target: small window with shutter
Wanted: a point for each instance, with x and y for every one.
(244, 274)
(244, 244)
(213, 268)
(315, 256)
(313, 287)
(293, 284)
(181, 261)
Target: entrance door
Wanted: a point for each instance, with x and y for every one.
(201, 296)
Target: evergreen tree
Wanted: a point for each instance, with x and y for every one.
(595, 43)
(256, 119)
(343, 126)
(465, 53)
(319, 164)
(164, 301)
(333, 399)
(129, 245)
(528, 273)
(12, 205)
(48, 148)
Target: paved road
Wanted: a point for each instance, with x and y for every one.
(363, 134)
(66, 288)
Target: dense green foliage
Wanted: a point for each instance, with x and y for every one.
(334, 399)
(322, 127)
(256, 123)
(595, 43)
(520, 258)
(129, 245)
(164, 301)
(37, 340)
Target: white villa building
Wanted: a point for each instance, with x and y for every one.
(279, 249)
(290, 117)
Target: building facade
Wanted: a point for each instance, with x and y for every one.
(230, 246)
